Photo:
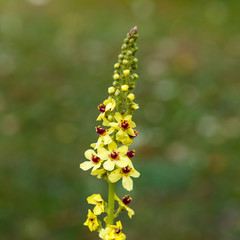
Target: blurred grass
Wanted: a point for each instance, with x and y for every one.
(56, 62)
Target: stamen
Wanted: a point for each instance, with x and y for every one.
(114, 155)
(126, 200)
(100, 130)
(124, 124)
(131, 154)
(118, 230)
(95, 159)
(101, 108)
(126, 169)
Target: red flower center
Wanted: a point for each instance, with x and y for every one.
(131, 154)
(114, 155)
(126, 200)
(126, 169)
(95, 159)
(100, 130)
(117, 230)
(124, 124)
(101, 108)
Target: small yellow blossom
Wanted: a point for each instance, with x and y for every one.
(125, 61)
(104, 136)
(95, 161)
(111, 90)
(124, 204)
(124, 126)
(126, 72)
(114, 156)
(97, 200)
(125, 173)
(112, 232)
(130, 96)
(92, 221)
(124, 88)
(108, 105)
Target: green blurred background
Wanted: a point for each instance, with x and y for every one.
(56, 63)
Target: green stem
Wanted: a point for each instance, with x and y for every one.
(111, 191)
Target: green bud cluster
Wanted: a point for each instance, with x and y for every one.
(124, 74)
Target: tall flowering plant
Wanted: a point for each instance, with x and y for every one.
(111, 156)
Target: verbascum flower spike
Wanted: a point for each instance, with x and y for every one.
(111, 156)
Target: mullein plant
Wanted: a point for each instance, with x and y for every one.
(111, 156)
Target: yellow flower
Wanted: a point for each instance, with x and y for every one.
(125, 173)
(108, 105)
(112, 232)
(114, 156)
(124, 204)
(124, 126)
(116, 76)
(95, 161)
(97, 200)
(104, 136)
(92, 221)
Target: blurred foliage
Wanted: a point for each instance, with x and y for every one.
(56, 62)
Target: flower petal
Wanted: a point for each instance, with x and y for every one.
(88, 154)
(123, 150)
(86, 165)
(114, 176)
(112, 146)
(109, 165)
(103, 153)
(107, 139)
(123, 162)
(118, 116)
(135, 173)
(127, 183)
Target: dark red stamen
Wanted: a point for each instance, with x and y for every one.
(114, 155)
(100, 130)
(118, 230)
(126, 169)
(95, 159)
(131, 154)
(126, 200)
(124, 124)
(101, 108)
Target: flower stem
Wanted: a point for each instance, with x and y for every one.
(111, 191)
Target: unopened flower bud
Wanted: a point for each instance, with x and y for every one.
(130, 96)
(124, 88)
(125, 61)
(117, 92)
(129, 53)
(135, 60)
(135, 106)
(135, 76)
(111, 90)
(110, 117)
(115, 83)
(116, 65)
(126, 72)
(116, 76)
(120, 56)
(124, 46)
